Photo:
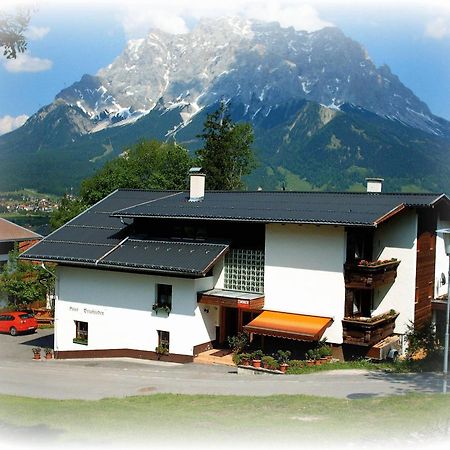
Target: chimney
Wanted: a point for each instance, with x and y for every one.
(196, 184)
(374, 184)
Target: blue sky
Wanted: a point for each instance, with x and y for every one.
(70, 38)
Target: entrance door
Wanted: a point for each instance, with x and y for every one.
(228, 324)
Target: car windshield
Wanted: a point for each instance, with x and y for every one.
(26, 316)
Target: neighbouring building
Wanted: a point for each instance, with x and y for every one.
(142, 270)
(12, 234)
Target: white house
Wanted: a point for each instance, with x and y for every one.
(142, 270)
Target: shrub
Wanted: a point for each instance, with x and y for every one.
(239, 342)
(421, 340)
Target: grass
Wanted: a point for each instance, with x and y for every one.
(200, 418)
(399, 366)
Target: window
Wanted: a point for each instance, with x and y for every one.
(163, 342)
(163, 297)
(81, 333)
(244, 270)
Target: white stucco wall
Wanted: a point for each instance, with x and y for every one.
(118, 309)
(397, 238)
(442, 262)
(304, 272)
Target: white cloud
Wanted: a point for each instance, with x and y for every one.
(9, 123)
(36, 33)
(27, 63)
(175, 16)
(438, 28)
(288, 14)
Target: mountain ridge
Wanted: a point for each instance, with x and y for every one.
(165, 84)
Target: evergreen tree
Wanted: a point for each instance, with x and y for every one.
(227, 155)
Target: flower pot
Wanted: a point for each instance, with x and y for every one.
(256, 363)
(283, 367)
(323, 360)
(48, 356)
(309, 363)
(36, 356)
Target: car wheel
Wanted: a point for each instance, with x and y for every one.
(13, 331)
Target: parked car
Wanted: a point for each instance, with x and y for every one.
(15, 322)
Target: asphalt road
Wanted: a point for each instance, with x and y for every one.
(99, 378)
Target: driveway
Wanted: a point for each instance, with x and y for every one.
(119, 377)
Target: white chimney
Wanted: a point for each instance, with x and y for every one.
(374, 184)
(196, 184)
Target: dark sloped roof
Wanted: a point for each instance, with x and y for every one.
(101, 237)
(281, 206)
(176, 257)
(97, 240)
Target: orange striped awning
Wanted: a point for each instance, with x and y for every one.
(288, 325)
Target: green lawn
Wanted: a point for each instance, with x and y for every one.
(230, 419)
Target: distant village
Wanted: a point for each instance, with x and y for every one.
(26, 204)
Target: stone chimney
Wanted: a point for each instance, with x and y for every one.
(196, 184)
(374, 184)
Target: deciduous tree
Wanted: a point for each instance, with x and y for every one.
(147, 165)
(12, 29)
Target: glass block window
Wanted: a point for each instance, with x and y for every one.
(244, 270)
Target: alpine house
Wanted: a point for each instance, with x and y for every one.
(148, 272)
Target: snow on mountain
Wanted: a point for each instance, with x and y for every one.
(260, 65)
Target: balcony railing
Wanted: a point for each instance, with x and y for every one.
(370, 275)
(368, 331)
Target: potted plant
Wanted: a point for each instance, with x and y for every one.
(245, 359)
(36, 352)
(283, 359)
(310, 356)
(164, 308)
(324, 351)
(269, 362)
(161, 350)
(256, 358)
(48, 353)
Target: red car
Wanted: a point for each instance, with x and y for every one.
(17, 322)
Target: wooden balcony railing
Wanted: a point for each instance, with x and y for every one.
(368, 331)
(370, 275)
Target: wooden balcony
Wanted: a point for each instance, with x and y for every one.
(368, 331)
(370, 276)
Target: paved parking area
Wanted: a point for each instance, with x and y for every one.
(120, 377)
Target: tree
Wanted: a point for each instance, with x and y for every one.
(147, 165)
(24, 282)
(69, 207)
(12, 29)
(227, 155)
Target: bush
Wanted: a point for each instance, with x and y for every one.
(239, 342)
(296, 364)
(421, 341)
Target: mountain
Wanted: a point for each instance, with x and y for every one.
(324, 115)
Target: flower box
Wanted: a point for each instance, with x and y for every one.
(368, 331)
